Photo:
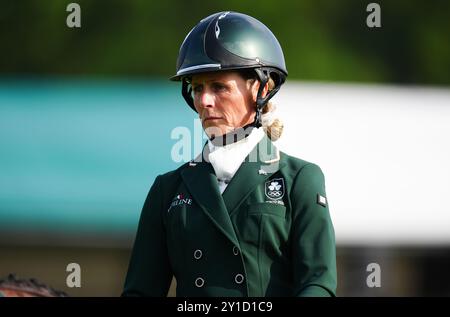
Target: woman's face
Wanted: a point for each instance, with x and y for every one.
(224, 101)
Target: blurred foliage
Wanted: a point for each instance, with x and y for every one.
(322, 40)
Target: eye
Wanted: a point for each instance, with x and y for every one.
(197, 88)
(219, 87)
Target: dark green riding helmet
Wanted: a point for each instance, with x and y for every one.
(231, 41)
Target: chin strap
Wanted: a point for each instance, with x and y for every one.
(233, 136)
(257, 122)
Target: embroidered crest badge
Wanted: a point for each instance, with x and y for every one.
(274, 188)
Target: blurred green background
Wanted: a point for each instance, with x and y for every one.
(322, 39)
(79, 109)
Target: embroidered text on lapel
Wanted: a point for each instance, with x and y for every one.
(179, 200)
(274, 188)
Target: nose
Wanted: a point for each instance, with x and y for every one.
(205, 99)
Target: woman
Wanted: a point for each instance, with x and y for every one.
(242, 219)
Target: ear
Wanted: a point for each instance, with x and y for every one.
(255, 87)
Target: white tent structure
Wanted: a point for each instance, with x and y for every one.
(385, 153)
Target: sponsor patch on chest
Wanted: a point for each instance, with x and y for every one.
(274, 188)
(180, 200)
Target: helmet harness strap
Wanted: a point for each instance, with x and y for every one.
(263, 76)
(186, 91)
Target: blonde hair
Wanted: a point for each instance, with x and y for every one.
(273, 129)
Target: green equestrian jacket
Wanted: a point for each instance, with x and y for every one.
(268, 234)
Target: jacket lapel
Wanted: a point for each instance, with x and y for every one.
(201, 181)
(259, 165)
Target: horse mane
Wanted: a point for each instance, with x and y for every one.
(27, 287)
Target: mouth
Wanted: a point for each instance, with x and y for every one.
(211, 118)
